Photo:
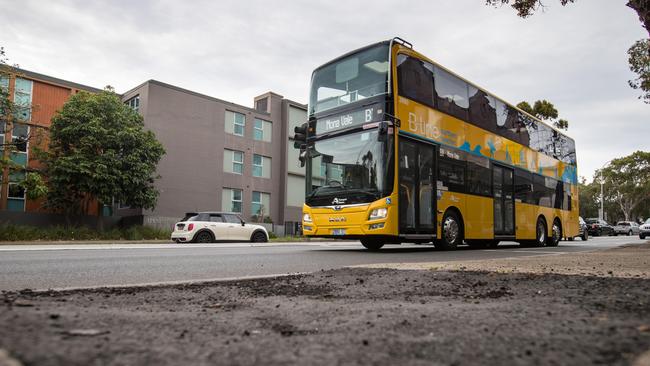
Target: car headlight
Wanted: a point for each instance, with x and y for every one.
(306, 217)
(378, 213)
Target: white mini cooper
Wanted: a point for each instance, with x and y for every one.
(207, 227)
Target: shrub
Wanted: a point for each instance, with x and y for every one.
(12, 232)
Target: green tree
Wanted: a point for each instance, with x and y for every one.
(545, 111)
(99, 150)
(639, 53)
(588, 197)
(639, 59)
(12, 115)
(627, 181)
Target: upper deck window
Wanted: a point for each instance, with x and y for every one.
(356, 77)
(415, 79)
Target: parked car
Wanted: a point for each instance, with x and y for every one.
(626, 228)
(644, 230)
(583, 234)
(207, 227)
(597, 227)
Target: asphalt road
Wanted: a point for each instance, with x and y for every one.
(39, 267)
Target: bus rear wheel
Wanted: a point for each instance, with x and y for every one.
(372, 245)
(540, 233)
(452, 232)
(554, 239)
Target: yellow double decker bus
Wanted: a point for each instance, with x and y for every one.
(399, 149)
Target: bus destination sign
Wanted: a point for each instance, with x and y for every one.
(370, 114)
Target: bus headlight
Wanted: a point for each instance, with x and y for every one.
(378, 213)
(306, 217)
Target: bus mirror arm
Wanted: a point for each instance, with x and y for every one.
(395, 120)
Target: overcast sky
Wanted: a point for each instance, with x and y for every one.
(574, 56)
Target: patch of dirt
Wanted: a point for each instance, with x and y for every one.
(348, 316)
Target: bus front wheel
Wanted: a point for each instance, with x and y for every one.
(372, 244)
(451, 233)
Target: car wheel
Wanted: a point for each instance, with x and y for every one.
(203, 237)
(259, 237)
(556, 235)
(641, 236)
(452, 232)
(629, 233)
(585, 236)
(570, 239)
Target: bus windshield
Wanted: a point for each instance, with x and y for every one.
(358, 76)
(353, 168)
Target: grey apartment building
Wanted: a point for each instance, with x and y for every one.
(221, 155)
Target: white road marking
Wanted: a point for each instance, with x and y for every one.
(29, 247)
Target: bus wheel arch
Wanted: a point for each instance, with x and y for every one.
(452, 229)
(556, 233)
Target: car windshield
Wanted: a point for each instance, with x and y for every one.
(647, 222)
(592, 221)
(352, 168)
(358, 76)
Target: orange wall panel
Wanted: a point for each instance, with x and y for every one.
(46, 101)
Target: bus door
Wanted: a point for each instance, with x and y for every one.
(504, 200)
(417, 189)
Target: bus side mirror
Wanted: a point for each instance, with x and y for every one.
(382, 131)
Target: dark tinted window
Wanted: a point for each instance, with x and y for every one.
(566, 204)
(542, 194)
(559, 192)
(216, 218)
(193, 216)
(232, 219)
(451, 169)
(507, 121)
(482, 109)
(524, 186)
(415, 79)
(478, 176)
(451, 94)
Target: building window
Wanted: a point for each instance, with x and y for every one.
(261, 166)
(23, 99)
(19, 136)
(233, 161)
(235, 123)
(134, 103)
(16, 197)
(231, 200)
(237, 162)
(262, 105)
(262, 131)
(258, 165)
(260, 205)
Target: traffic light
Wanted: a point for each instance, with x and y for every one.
(300, 142)
(300, 137)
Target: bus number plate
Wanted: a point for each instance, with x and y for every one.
(338, 231)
